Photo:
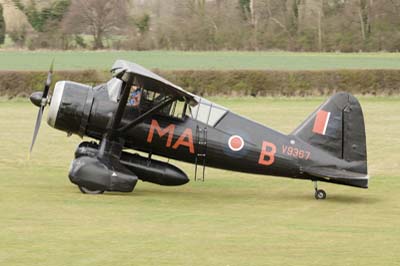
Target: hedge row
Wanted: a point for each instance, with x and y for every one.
(248, 82)
(23, 83)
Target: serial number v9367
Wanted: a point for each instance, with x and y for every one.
(296, 152)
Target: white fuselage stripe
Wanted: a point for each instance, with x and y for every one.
(326, 123)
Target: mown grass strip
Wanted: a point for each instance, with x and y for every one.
(230, 219)
(178, 60)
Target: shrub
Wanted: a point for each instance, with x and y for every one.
(246, 82)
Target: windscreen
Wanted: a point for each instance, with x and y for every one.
(114, 88)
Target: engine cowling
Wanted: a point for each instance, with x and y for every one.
(70, 107)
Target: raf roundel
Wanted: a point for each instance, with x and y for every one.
(236, 143)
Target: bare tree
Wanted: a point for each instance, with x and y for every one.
(2, 25)
(96, 17)
(284, 15)
(296, 25)
(364, 13)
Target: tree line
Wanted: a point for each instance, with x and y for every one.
(293, 25)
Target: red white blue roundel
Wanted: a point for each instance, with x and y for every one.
(236, 143)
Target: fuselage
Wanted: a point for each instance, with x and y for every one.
(215, 136)
(234, 143)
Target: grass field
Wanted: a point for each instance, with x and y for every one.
(40, 60)
(231, 219)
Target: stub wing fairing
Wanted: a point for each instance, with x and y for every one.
(148, 79)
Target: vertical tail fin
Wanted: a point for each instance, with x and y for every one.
(337, 127)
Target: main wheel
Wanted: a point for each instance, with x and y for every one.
(320, 194)
(88, 191)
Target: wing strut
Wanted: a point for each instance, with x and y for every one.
(146, 114)
(113, 142)
(117, 116)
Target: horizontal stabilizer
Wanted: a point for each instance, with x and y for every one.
(339, 176)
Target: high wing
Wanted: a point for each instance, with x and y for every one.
(152, 81)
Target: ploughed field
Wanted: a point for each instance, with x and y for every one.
(230, 219)
(178, 60)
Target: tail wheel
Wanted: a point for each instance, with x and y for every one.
(320, 194)
(88, 191)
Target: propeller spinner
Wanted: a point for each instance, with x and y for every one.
(41, 99)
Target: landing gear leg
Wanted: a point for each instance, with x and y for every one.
(320, 194)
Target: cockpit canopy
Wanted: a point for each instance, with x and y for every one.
(207, 112)
(154, 89)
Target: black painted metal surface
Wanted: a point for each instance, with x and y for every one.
(328, 146)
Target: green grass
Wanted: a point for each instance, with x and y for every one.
(40, 60)
(230, 219)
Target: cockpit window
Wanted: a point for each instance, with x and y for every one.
(114, 88)
(150, 99)
(178, 109)
(207, 112)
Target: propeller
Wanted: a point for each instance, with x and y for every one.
(41, 99)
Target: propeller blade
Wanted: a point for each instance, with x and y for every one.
(48, 81)
(40, 99)
(37, 126)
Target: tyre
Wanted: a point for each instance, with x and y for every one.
(88, 191)
(320, 194)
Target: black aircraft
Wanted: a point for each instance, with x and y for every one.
(139, 110)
